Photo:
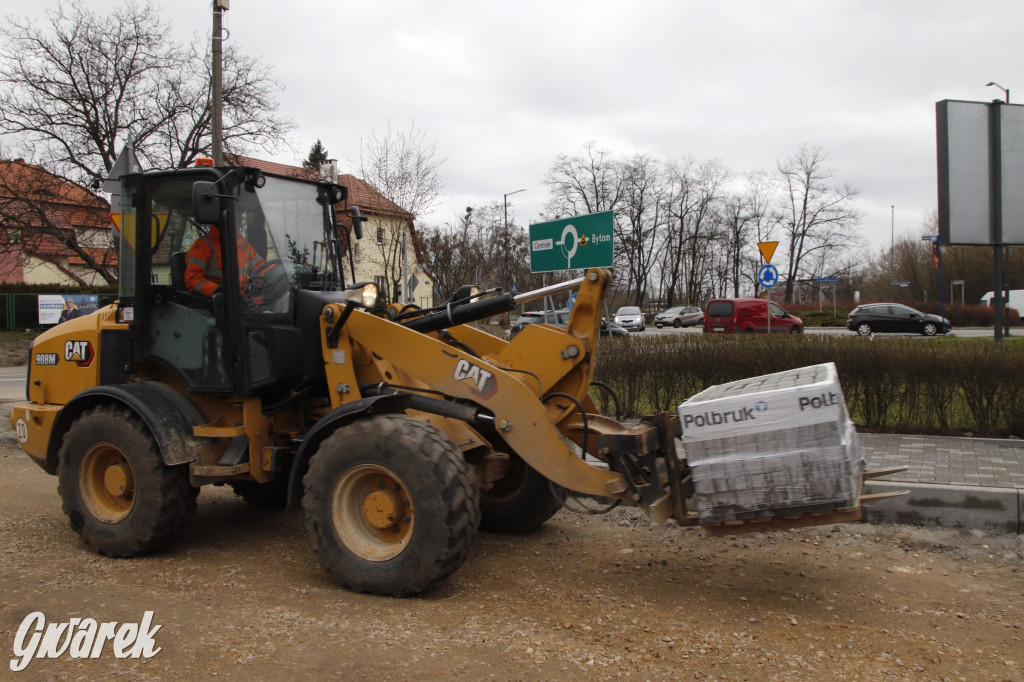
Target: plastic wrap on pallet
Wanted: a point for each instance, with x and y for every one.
(775, 445)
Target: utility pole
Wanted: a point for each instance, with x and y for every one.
(506, 283)
(216, 87)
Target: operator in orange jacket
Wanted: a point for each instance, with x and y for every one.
(203, 266)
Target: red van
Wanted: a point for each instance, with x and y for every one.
(748, 316)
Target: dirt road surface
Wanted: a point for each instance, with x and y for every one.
(241, 596)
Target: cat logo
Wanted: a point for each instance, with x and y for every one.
(78, 352)
(481, 382)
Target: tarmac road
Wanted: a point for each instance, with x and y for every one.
(964, 332)
(12, 383)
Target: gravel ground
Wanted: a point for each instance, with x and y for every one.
(241, 596)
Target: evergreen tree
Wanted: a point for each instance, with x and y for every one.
(317, 156)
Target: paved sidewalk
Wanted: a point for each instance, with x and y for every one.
(970, 483)
(989, 462)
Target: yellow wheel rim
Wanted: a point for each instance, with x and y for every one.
(372, 512)
(107, 483)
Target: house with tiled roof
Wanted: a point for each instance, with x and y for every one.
(378, 256)
(52, 231)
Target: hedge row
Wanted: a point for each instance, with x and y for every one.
(907, 385)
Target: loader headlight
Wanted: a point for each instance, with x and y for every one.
(465, 293)
(363, 293)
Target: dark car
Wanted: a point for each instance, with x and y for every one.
(680, 316)
(612, 329)
(560, 318)
(894, 318)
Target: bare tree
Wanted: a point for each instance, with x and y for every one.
(697, 189)
(582, 184)
(759, 196)
(466, 252)
(817, 219)
(248, 108)
(640, 216)
(403, 167)
(76, 88)
(736, 219)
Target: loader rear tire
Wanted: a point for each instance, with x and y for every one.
(117, 493)
(391, 506)
(520, 502)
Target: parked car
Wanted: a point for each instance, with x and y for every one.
(611, 329)
(560, 318)
(680, 316)
(749, 316)
(631, 318)
(894, 318)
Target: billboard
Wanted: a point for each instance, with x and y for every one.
(980, 170)
(57, 308)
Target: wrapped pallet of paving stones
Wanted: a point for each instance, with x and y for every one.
(775, 445)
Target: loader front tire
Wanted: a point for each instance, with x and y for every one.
(391, 506)
(520, 502)
(117, 493)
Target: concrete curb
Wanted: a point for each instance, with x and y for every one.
(947, 506)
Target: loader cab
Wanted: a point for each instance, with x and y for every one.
(270, 234)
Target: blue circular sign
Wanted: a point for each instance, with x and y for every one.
(768, 276)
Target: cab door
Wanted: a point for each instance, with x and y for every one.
(181, 331)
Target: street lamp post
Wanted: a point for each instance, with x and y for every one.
(892, 246)
(1005, 91)
(1000, 252)
(505, 203)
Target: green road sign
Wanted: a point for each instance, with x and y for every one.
(572, 244)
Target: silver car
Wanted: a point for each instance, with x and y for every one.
(631, 318)
(680, 316)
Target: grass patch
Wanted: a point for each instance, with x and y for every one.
(14, 347)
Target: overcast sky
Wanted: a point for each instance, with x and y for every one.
(504, 87)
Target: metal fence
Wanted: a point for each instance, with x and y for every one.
(21, 311)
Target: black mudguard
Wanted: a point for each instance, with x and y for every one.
(336, 418)
(168, 415)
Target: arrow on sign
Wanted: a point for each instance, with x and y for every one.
(768, 276)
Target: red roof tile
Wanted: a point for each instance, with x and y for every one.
(43, 208)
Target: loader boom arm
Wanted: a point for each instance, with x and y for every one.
(522, 385)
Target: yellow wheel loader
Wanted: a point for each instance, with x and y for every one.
(399, 434)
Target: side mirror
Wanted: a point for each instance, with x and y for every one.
(206, 204)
